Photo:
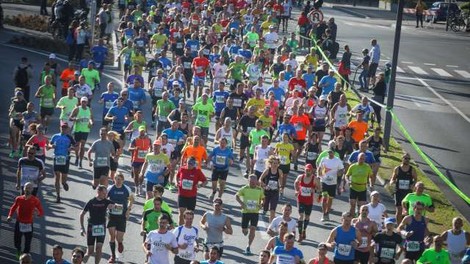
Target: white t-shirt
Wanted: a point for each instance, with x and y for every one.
(271, 38)
(219, 71)
(292, 62)
(157, 241)
(376, 214)
(291, 225)
(167, 149)
(83, 91)
(329, 170)
(186, 236)
(262, 155)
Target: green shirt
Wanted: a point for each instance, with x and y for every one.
(237, 70)
(252, 38)
(359, 174)
(164, 109)
(151, 219)
(203, 113)
(431, 256)
(47, 96)
(252, 198)
(293, 44)
(83, 119)
(255, 138)
(148, 205)
(92, 77)
(69, 105)
(412, 198)
(323, 155)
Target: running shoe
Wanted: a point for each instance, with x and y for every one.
(112, 260)
(66, 186)
(12, 154)
(120, 247)
(247, 251)
(57, 199)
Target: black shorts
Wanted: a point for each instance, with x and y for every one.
(399, 196)
(330, 189)
(373, 69)
(25, 137)
(360, 196)
(176, 154)
(299, 142)
(271, 199)
(98, 172)
(178, 260)
(62, 168)
(18, 124)
(413, 255)
(244, 142)
(285, 168)
(117, 221)
(187, 202)
(113, 165)
(339, 261)
(137, 164)
(204, 132)
(319, 129)
(305, 208)
(79, 136)
(46, 111)
(361, 257)
(91, 240)
(258, 174)
(162, 125)
(249, 219)
(219, 175)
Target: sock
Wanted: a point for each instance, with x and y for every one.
(112, 245)
(305, 225)
(300, 226)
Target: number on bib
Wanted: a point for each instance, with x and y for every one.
(102, 161)
(26, 228)
(97, 230)
(60, 160)
(187, 184)
(412, 246)
(344, 249)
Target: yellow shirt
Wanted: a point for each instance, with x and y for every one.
(265, 26)
(284, 150)
(159, 40)
(312, 60)
(259, 103)
(267, 121)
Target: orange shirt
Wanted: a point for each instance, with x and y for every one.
(359, 130)
(142, 147)
(199, 153)
(301, 124)
(200, 65)
(66, 76)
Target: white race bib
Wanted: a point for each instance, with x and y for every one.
(387, 253)
(162, 118)
(311, 155)
(141, 154)
(102, 161)
(305, 191)
(283, 160)
(404, 184)
(26, 228)
(60, 160)
(187, 184)
(412, 246)
(108, 104)
(117, 210)
(220, 160)
(48, 102)
(272, 185)
(364, 242)
(344, 249)
(252, 205)
(97, 230)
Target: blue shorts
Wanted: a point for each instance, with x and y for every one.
(197, 79)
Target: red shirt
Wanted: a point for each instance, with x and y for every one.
(188, 180)
(200, 65)
(297, 83)
(26, 209)
(301, 124)
(306, 192)
(278, 9)
(303, 20)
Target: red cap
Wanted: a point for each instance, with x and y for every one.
(309, 167)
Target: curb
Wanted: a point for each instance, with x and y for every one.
(349, 11)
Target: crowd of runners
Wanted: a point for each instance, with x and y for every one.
(225, 84)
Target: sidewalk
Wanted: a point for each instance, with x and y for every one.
(368, 12)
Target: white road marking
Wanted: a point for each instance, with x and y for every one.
(464, 74)
(464, 116)
(400, 70)
(417, 70)
(429, 64)
(441, 72)
(452, 66)
(407, 62)
(264, 227)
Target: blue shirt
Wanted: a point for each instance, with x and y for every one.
(233, 50)
(131, 78)
(278, 93)
(166, 63)
(193, 45)
(344, 249)
(309, 78)
(219, 99)
(175, 100)
(207, 262)
(119, 196)
(369, 157)
(108, 101)
(234, 24)
(51, 261)
(213, 57)
(288, 75)
(287, 257)
(174, 136)
(246, 53)
(136, 96)
(62, 143)
(99, 53)
(330, 84)
(119, 124)
(220, 158)
(287, 128)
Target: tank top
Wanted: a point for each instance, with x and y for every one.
(158, 86)
(317, 261)
(415, 242)
(141, 149)
(312, 153)
(185, 130)
(215, 223)
(272, 181)
(262, 154)
(374, 147)
(305, 195)
(404, 180)
(227, 135)
(41, 144)
(83, 118)
(343, 249)
(232, 113)
(47, 97)
(176, 115)
(456, 245)
(278, 242)
(320, 115)
(363, 227)
(341, 116)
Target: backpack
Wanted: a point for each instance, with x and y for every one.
(21, 76)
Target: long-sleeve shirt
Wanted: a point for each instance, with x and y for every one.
(24, 208)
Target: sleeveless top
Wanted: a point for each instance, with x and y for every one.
(404, 180)
(312, 153)
(317, 261)
(363, 227)
(272, 181)
(83, 117)
(374, 147)
(215, 223)
(232, 113)
(158, 86)
(305, 195)
(278, 242)
(320, 114)
(456, 244)
(227, 135)
(344, 249)
(184, 130)
(341, 116)
(415, 242)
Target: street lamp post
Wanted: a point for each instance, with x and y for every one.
(391, 89)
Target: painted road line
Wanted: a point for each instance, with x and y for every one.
(452, 66)
(441, 72)
(407, 62)
(417, 70)
(400, 70)
(464, 74)
(429, 64)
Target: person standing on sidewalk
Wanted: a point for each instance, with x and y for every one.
(43, 10)
(419, 10)
(374, 54)
(22, 76)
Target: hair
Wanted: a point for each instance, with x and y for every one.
(164, 217)
(119, 174)
(56, 246)
(265, 251)
(101, 187)
(79, 250)
(188, 212)
(289, 236)
(158, 188)
(158, 199)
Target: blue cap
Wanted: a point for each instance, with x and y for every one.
(91, 62)
(390, 220)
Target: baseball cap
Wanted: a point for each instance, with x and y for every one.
(141, 128)
(322, 246)
(390, 220)
(309, 167)
(52, 56)
(323, 98)
(374, 193)
(157, 142)
(18, 93)
(77, 73)
(192, 161)
(84, 98)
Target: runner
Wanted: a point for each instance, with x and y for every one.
(122, 195)
(285, 217)
(278, 240)
(83, 121)
(220, 102)
(271, 181)
(197, 151)
(344, 240)
(418, 196)
(150, 217)
(222, 158)
(386, 242)
(118, 116)
(155, 169)
(186, 236)
(92, 76)
(329, 171)
(435, 254)
(162, 111)
(103, 149)
(107, 99)
(159, 243)
(67, 76)
(57, 256)
(66, 104)
(139, 147)
(339, 114)
(156, 88)
(30, 170)
(251, 199)
(403, 178)
(20, 110)
(226, 132)
(312, 149)
(62, 143)
(359, 126)
(202, 114)
(40, 142)
(133, 126)
(25, 207)
(284, 150)
(46, 93)
(368, 229)
(301, 123)
(137, 94)
(214, 254)
(288, 253)
(215, 223)
(82, 89)
(456, 240)
(358, 175)
(95, 231)
(261, 152)
(199, 65)
(246, 124)
(305, 187)
(369, 159)
(113, 136)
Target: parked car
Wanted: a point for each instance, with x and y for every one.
(440, 8)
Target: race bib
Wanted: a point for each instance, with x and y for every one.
(179, 45)
(199, 69)
(364, 242)
(220, 99)
(48, 102)
(220, 160)
(201, 119)
(117, 210)
(187, 65)
(135, 104)
(108, 104)
(387, 253)
(237, 102)
(283, 160)
(141, 154)
(311, 155)
(162, 118)
(299, 127)
(154, 167)
(248, 129)
(26, 228)
(97, 230)
(272, 185)
(187, 184)
(344, 249)
(305, 191)
(97, 64)
(412, 246)
(404, 184)
(60, 160)
(193, 47)
(252, 205)
(102, 161)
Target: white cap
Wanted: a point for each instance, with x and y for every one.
(52, 56)
(323, 98)
(175, 83)
(374, 193)
(84, 98)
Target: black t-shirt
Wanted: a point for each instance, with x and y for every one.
(232, 113)
(238, 100)
(153, 65)
(387, 246)
(247, 123)
(187, 61)
(97, 209)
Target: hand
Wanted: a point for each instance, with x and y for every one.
(243, 205)
(408, 234)
(354, 244)
(82, 232)
(169, 247)
(90, 163)
(9, 219)
(142, 233)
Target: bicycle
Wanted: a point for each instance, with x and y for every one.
(458, 22)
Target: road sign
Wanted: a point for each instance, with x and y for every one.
(316, 16)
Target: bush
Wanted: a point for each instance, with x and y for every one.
(32, 22)
(465, 7)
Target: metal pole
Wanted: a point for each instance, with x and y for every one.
(92, 22)
(447, 16)
(391, 89)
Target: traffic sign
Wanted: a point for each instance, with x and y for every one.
(316, 16)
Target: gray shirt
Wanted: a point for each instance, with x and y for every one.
(216, 224)
(103, 150)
